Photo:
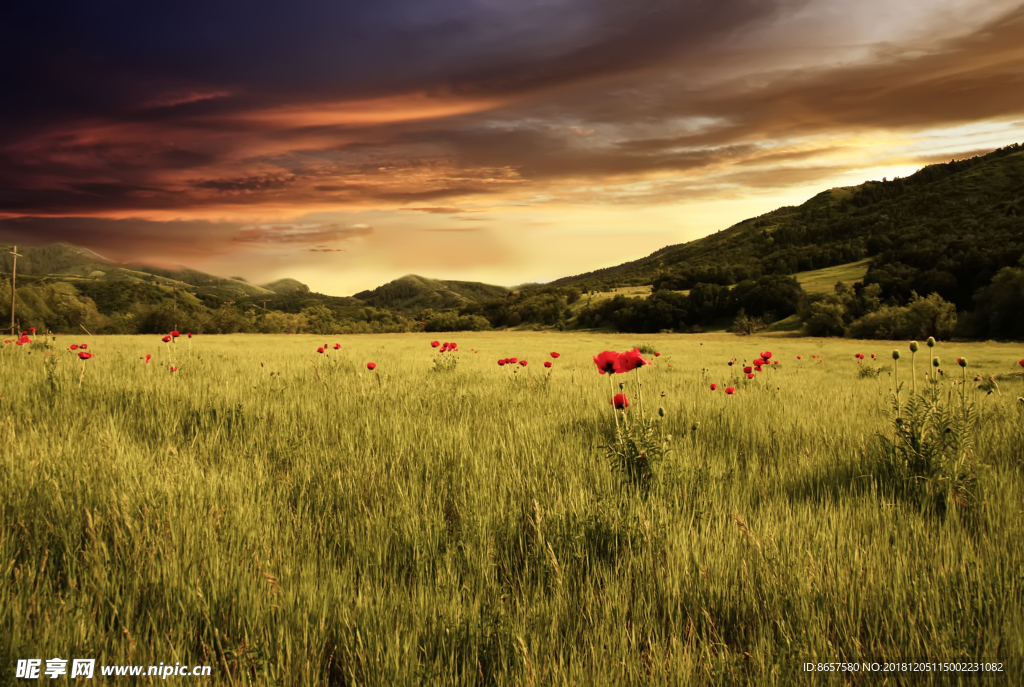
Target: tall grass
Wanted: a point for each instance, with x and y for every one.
(294, 519)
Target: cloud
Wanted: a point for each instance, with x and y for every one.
(299, 234)
(452, 229)
(437, 210)
(435, 108)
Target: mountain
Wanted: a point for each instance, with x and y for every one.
(287, 287)
(953, 233)
(947, 229)
(52, 259)
(412, 294)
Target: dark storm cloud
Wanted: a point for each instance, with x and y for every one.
(127, 58)
(120, 108)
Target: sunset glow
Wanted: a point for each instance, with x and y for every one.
(345, 145)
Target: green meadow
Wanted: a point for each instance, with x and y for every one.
(292, 518)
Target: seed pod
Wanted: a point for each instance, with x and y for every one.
(913, 347)
(931, 342)
(895, 355)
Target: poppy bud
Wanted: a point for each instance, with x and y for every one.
(913, 347)
(661, 412)
(935, 362)
(931, 342)
(895, 355)
(962, 361)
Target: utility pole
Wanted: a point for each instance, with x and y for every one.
(264, 307)
(14, 272)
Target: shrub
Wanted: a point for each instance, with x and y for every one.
(928, 454)
(919, 319)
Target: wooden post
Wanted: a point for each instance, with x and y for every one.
(14, 272)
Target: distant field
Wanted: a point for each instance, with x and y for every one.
(823, 281)
(292, 518)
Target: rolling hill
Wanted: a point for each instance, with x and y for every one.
(412, 293)
(948, 228)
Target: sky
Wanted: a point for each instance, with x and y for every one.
(345, 144)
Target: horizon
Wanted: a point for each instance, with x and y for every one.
(469, 142)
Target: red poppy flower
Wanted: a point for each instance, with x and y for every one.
(501, 362)
(166, 339)
(750, 376)
(84, 355)
(174, 369)
(872, 356)
(657, 355)
(799, 357)
(190, 335)
(7, 341)
(767, 355)
(148, 356)
(19, 342)
(453, 345)
(320, 350)
(337, 346)
(555, 355)
(1021, 363)
(775, 362)
(759, 362)
(730, 390)
(747, 370)
(435, 344)
(73, 347)
(24, 334)
(84, 346)
(620, 401)
(371, 366)
(31, 330)
(512, 360)
(758, 368)
(547, 363)
(523, 363)
(714, 387)
(608, 361)
(175, 334)
(632, 360)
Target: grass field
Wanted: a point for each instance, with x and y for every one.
(291, 518)
(824, 280)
